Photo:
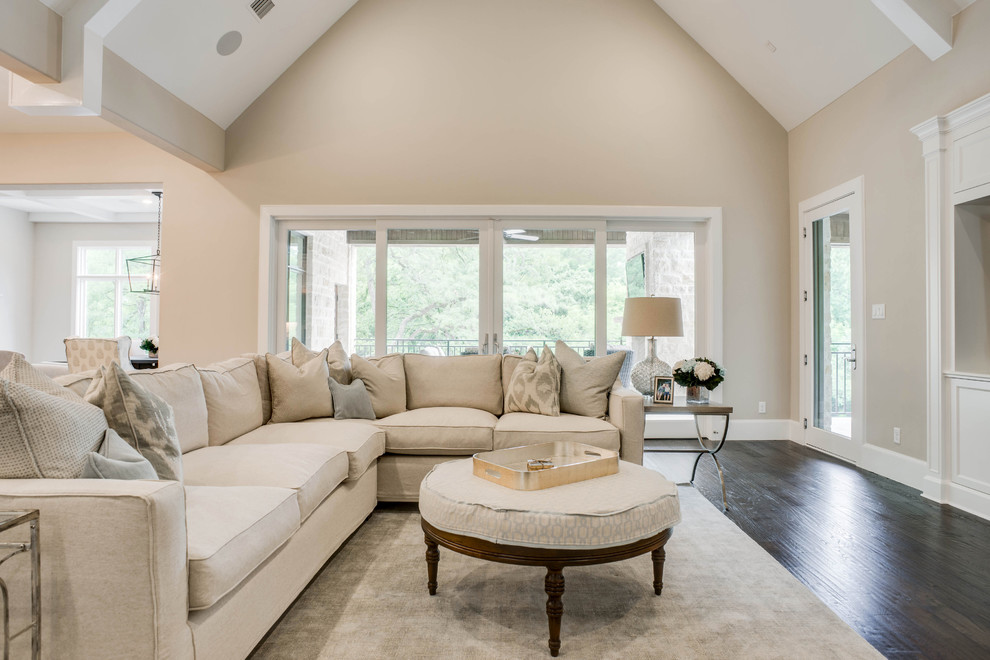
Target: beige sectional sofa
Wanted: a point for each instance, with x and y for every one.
(203, 568)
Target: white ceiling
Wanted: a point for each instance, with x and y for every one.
(823, 49)
(175, 44)
(82, 203)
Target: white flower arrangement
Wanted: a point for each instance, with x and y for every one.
(698, 372)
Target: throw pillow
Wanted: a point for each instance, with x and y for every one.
(385, 380)
(535, 386)
(299, 392)
(337, 362)
(43, 436)
(351, 401)
(144, 420)
(115, 459)
(19, 370)
(509, 364)
(584, 385)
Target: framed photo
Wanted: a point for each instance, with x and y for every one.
(663, 389)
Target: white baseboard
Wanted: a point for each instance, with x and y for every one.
(961, 497)
(904, 469)
(739, 429)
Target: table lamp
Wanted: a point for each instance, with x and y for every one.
(651, 317)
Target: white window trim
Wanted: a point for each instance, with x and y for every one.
(78, 326)
(706, 222)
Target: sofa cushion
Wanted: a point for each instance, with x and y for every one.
(115, 459)
(363, 442)
(584, 385)
(520, 429)
(464, 381)
(143, 419)
(535, 387)
(336, 357)
(19, 370)
(313, 471)
(43, 436)
(438, 431)
(233, 399)
(299, 392)
(180, 386)
(385, 380)
(230, 532)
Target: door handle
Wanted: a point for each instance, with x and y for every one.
(494, 342)
(852, 360)
(484, 347)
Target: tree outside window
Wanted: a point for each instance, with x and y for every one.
(105, 306)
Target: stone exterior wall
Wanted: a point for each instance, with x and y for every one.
(328, 269)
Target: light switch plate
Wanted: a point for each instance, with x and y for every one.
(879, 311)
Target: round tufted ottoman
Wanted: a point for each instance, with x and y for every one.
(596, 521)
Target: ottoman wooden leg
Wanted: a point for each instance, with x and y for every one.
(554, 585)
(659, 555)
(432, 559)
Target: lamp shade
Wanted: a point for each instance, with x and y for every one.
(652, 317)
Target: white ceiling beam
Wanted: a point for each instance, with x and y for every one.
(927, 23)
(31, 40)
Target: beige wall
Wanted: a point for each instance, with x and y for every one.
(16, 254)
(52, 319)
(867, 132)
(471, 102)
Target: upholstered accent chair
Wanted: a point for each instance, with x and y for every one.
(88, 354)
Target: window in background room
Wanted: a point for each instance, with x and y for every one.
(651, 263)
(548, 289)
(330, 289)
(104, 304)
(433, 294)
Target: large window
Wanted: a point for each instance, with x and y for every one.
(104, 305)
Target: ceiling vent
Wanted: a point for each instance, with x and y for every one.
(262, 7)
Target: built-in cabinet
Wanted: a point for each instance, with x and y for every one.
(956, 149)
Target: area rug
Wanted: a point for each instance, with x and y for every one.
(723, 597)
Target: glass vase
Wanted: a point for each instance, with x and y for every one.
(697, 395)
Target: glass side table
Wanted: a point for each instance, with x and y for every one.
(10, 520)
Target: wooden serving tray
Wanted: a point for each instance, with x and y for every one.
(572, 461)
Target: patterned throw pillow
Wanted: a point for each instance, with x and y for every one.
(337, 361)
(44, 436)
(299, 392)
(535, 386)
(585, 384)
(19, 370)
(144, 420)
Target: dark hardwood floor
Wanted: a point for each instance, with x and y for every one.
(909, 575)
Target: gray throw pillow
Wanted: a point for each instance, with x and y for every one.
(585, 384)
(116, 459)
(44, 436)
(144, 420)
(351, 401)
(535, 386)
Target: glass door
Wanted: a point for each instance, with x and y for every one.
(832, 341)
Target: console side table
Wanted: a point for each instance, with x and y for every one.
(9, 520)
(681, 407)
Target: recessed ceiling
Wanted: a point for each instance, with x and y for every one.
(175, 44)
(82, 204)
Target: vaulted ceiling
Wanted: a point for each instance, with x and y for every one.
(793, 57)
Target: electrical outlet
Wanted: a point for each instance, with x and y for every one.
(897, 435)
(880, 311)
(763, 407)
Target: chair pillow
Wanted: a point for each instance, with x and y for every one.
(584, 385)
(299, 392)
(43, 436)
(19, 370)
(351, 401)
(535, 386)
(385, 380)
(115, 459)
(337, 362)
(144, 420)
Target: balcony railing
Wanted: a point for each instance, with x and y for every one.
(841, 379)
(464, 346)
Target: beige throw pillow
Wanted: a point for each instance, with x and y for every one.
(337, 362)
(584, 385)
(299, 392)
(144, 420)
(385, 380)
(43, 436)
(535, 386)
(509, 364)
